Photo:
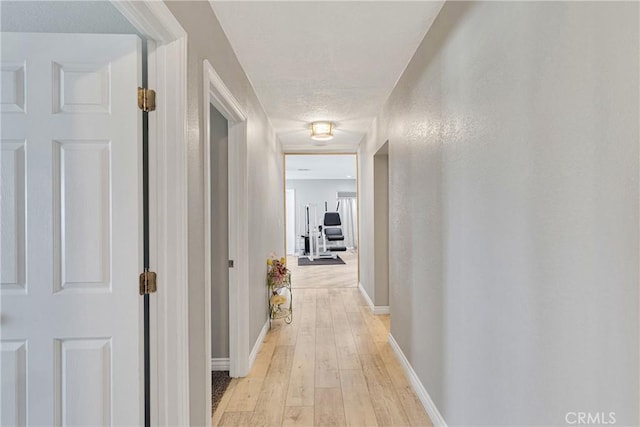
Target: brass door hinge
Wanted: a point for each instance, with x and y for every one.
(146, 99)
(148, 283)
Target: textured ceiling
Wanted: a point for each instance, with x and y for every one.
(323, 60)
(316, 166)
(63, 17)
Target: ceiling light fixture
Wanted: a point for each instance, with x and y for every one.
(321, 131)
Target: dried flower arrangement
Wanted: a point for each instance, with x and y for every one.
(279, 282)
(278, 271)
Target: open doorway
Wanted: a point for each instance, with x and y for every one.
(218, 249)
(322, 220)
(225, 300)
(219, 238)
(381, 229)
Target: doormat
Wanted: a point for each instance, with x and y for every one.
(219, 382)
(303, 261)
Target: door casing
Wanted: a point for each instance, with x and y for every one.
(217, 95)
(290, 202)
(168, 208)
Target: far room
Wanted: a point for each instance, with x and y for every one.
(322, 220)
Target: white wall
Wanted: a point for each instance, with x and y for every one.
(206, 40)
(513, 159)
(316, 191)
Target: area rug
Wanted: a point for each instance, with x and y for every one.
(219, 382)
(304, 261)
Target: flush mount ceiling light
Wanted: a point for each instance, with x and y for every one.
(321, 131)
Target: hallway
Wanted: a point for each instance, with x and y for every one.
(491, 208)
(312, 373)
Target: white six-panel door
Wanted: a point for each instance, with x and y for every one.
(71, 230)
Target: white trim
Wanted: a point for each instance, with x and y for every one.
(221, 97)
(169, 333)
(366, 296)
(152, 18)
(238, 250)
(218, 95)
(418, 387)
(168, 216)
(287, 249)
(380, 309)
(206, 114)
(258, 344)
(220, 364)
(375, 309)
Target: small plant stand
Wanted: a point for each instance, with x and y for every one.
(280, 300)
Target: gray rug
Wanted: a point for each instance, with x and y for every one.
(304, 261)
(219, 382)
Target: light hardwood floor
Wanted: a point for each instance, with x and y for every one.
(332, 366)
(325, 276)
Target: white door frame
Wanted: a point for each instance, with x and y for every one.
(167, 74)
(217, 94)
(288, 191)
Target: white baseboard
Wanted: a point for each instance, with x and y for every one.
(418, 388)
(366, 296)
(380, 309)
(220, 364)
(375, 309)
(258, 344)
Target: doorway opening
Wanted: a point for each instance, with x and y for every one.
(321, 220)
(381, 229)
(219, 238)
(218, 235)
(226, 289)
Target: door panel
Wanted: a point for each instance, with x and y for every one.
(13, 392)
(12, 216)
(74, 358)
(71, 251)
(82, 230)
(13, 87)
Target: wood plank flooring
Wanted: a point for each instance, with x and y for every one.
(325, 276)
(331, 367)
